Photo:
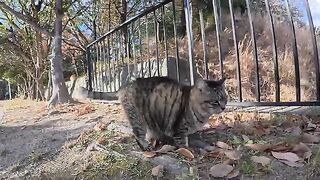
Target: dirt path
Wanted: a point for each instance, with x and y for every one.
(92, 141)
(28, 132)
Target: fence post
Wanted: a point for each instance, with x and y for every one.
(89, 83)
(188, 16)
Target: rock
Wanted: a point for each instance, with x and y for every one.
(170, 164)
(119, 128)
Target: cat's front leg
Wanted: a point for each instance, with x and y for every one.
(181, 140)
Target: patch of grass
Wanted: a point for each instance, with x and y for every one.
(248, 167)
(118, 167)
(315, 164)
(35, 157)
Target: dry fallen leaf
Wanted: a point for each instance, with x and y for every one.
(149, 154)
(259, 147)
(100, 126)
(153, 142)
(166, 148)
(302, 150)
(220, 170)
(289, 156)
(233, 174)
(263, 160)
(217, 153)
(219, 125)
(311, 127)
(157, 171)
(223, 145)
(83, 109)
(185, 152)
(234, 155)
(229, 162)
(281, 146)
(291, 164)
(309, 138)
(102, 140)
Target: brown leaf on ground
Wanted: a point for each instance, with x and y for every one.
(259, 147)
(219, 125)
(220, 170)
(149, 154)
(217, 153)
(83, 109)
(223, 145)
(100, 127)
(309, 138)
(233, 174)
(263, 160)
(288, 156)
(102, 140)
(229, 162)
(281, 146)
(311, 127)
(234, 155)
(291, 164)
(185, 152)
(302, 150)
(157, 171)
(166, 148)
(153, 142)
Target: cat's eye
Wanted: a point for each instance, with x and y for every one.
(214, 103)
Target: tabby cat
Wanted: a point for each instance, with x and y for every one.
(168, 111)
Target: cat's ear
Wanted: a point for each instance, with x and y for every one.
(200, 84)
(222, 80)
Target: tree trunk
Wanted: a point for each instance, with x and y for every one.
(49, 86)
(59, 89)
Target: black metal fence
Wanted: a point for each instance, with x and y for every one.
(152, 43)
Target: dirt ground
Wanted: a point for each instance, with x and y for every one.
(91, 140)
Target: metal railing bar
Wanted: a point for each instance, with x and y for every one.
(176, 41)
(236, 48)
(134, 18)
(204, 47)
(156, 37)
(217, 26)
(255, 51)
(275, 53)
(190, 40)
(315, 49)
(109, 64)
(135, 71)
(105, 81)
(295, 53)
(140, 49)
(89, 71)
(165, 36)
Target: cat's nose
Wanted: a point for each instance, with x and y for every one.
(222, 105)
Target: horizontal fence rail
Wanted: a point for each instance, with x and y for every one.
(268, 50)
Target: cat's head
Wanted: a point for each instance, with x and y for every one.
(209, 95)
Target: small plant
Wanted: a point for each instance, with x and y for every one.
(248, 167)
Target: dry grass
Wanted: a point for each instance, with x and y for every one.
(19, 103)
(265, 56)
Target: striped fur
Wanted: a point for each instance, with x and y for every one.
(168, 111)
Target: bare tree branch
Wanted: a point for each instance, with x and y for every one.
(72, 44)
(26, 18)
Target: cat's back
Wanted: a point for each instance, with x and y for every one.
(149, 84)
